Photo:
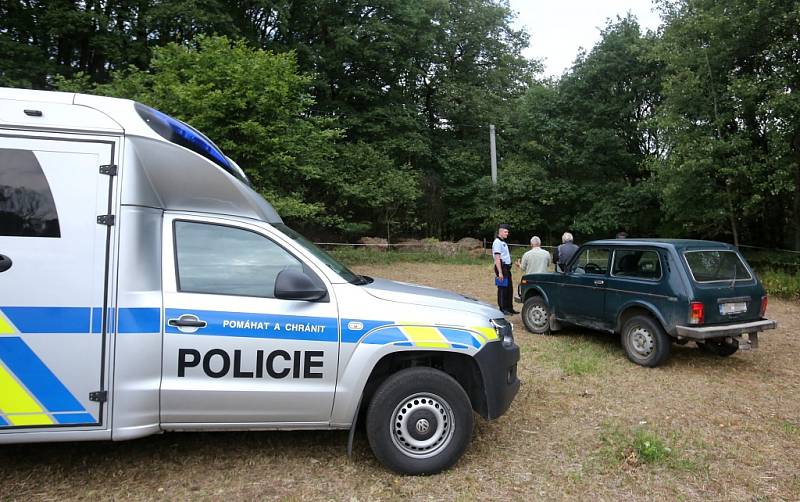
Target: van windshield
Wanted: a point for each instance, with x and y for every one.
(716, 265)
(327, 259)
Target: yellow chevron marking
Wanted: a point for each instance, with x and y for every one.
(37, 419)
(5, 326)
(489, 332)
(13, 398)
(425, 336)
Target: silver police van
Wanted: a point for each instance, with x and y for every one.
(146, 287)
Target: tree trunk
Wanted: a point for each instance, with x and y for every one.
(796, 207)
(732, 215)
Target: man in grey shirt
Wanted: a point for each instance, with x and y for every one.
(536, 260)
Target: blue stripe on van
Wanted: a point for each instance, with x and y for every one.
(243, 324)
(351, 335)
(74, 418)
(49, 319)
(460, 336)
(139, 320)
(32, 372)
(384, 336)
(97, 320)
(3, 422)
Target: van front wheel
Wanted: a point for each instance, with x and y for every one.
(419, 421)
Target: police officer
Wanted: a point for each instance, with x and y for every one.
(502, 271)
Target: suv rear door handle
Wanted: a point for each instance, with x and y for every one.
(599, 282)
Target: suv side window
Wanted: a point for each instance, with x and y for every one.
(638, 263)
(27, 208)
(591, 261)
(222, 260)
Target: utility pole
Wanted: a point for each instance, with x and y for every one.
(493, 154)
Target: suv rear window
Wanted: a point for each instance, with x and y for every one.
(716, 265)
(637, 263)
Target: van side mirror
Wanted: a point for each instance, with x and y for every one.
(293, 284)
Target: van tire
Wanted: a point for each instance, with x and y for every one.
(645, 341)
(419, 421)
(536, 315)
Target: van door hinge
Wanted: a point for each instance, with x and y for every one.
(109, 169)
(99, 396)
(106, 219)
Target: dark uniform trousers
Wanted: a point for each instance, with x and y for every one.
(505, 295)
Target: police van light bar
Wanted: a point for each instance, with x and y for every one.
(183, 134)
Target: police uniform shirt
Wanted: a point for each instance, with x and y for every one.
(500, 247)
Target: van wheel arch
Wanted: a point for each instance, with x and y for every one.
(461, 367)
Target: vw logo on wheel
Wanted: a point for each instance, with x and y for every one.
(422, 426)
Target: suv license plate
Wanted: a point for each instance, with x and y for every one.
(732, 308)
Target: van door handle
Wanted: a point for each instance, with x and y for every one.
(599, 282)
(5, 263)
(187, 321)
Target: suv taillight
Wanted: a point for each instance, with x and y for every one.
(696, 314)
(763, 310)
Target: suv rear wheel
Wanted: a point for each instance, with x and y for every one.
(645, 341)
(536, 315)
(419, 421)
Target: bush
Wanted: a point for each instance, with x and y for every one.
(781, 284)
(367, 256)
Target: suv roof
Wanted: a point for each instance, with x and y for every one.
(678, 244)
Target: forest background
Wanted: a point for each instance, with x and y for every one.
(372, 118)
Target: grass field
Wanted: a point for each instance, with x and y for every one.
(586, 425)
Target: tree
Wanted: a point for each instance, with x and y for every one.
(729, 98)
(582, 145)
(253, 104)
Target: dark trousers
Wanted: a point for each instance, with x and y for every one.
(505, 295)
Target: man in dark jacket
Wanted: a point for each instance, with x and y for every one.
(565, 252)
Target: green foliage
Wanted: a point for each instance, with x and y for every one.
(790, 428)
(781, 284)
(253, 104)
(733, 167)
(372, 117)
(578, 356)
(649, 447)
(583, 145)
(361, 256)
(641, 445)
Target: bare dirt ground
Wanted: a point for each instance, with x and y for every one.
(586, 425)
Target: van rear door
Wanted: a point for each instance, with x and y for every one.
(54, 283)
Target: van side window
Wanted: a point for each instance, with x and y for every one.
(27, 208)
(222, 260)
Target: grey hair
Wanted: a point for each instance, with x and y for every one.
(567, 237)
(536, 241)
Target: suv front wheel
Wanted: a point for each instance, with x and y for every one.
(419, 421)
(645, 341)
(536, 315)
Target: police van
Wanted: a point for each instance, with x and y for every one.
(146, 287)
